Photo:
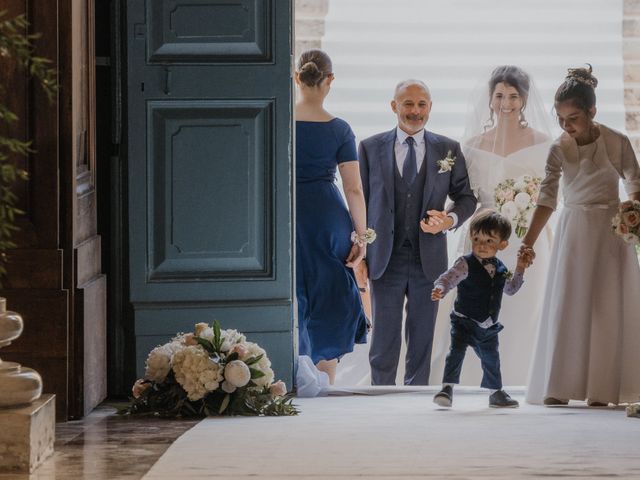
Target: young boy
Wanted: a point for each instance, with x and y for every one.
(481, 279)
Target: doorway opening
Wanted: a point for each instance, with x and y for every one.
(453, 46)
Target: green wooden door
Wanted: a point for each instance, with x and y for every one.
(210, 170)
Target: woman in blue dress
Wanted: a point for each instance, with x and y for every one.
(330, 315)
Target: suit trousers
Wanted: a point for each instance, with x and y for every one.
(402, 279)
(484, 341)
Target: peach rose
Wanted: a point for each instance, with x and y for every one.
(200, 328)
(139, 388)
(622, 229)
(190, 339)
(631, 218)
(279, 388)
(240, 349)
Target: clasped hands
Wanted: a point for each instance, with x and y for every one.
(436, 222)
(525, 256)
(356, 255)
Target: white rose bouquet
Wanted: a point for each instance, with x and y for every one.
(209, 372)
(626, 223)
(516, 199)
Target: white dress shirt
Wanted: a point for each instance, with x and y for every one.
(401, 148)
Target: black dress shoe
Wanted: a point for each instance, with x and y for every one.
(444, 397)
(501, 399)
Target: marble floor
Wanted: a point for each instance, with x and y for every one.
(105, 445)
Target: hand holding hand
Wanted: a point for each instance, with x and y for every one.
(436, 294)
(362, 274)
(525, 257)
(356, 255)
(437, 222)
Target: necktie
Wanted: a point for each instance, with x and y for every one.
(410, 168)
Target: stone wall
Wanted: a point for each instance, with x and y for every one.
(631, 52)
(309, 17)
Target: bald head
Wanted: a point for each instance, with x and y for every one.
(411, 82)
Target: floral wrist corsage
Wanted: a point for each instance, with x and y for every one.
(367, 237)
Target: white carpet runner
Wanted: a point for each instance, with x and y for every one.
(406, 436)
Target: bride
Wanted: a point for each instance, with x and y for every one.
(507, 136)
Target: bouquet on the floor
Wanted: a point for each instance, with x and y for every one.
(206, 373)
(633, 410)
(626, 223)
(516, 199)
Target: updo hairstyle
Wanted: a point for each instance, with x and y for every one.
(313, 67)
(579, 87)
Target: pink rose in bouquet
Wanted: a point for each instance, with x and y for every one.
(626, 223)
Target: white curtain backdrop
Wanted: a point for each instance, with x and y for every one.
(449, 44)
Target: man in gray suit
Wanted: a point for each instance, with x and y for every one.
(408, 173)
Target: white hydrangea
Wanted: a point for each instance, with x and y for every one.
(229, 338)
(264, 365)
(158, 362)
(196, 372)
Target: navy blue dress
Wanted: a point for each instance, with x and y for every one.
(330, 314)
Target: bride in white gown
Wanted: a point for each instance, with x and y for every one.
(507, 136)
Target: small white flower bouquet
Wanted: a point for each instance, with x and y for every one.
(447, 163)
(516, 199)
(626, 223)
(209, 372)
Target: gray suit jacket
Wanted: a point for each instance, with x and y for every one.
(377, 163)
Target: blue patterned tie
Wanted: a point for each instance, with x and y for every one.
(410, 167)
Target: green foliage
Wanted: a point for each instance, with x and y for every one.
(16, 46)
(169, 400)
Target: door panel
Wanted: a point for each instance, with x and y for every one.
(210, 168)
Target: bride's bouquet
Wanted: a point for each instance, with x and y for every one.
(626, 223)
(209, 372)
(516, 199)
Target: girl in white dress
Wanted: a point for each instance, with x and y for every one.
(588, 342)
(508, 135)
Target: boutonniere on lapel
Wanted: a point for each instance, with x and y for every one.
(508, 275)
(447, 163)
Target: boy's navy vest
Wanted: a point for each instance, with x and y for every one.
(479, 295)
(408, 208)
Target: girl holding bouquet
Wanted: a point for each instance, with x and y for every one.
(587, 346)
(507, 137)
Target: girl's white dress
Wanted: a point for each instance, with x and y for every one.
(588, 343)
(519, 314)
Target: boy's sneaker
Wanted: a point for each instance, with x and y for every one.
(501, 399)
(444, 397)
